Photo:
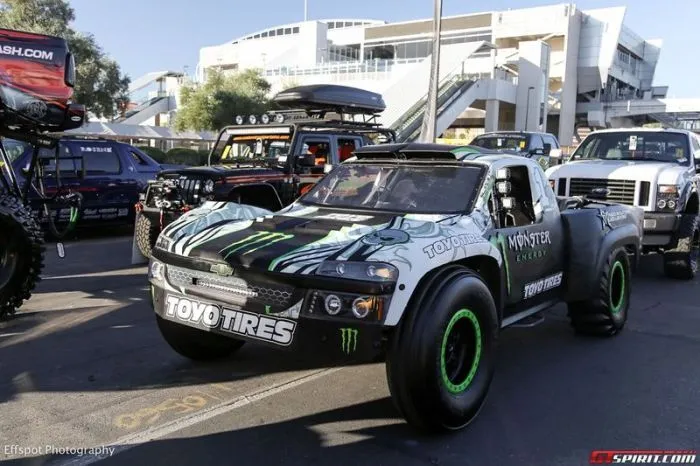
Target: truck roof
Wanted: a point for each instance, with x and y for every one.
(641, 129)
(428, 151)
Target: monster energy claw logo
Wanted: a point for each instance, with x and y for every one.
(255, 242)
(349, 343)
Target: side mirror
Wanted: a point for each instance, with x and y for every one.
(306, 160)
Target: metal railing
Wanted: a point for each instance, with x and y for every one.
(354, 67)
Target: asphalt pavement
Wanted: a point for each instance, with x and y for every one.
(85, 376)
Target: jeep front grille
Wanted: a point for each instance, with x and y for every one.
(236, 290)
(621, 191)
(190, 189)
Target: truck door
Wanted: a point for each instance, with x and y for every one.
(529, 235)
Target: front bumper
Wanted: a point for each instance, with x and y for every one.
(660, 229)
(319, 338)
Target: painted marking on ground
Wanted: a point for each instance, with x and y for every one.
(154, 433)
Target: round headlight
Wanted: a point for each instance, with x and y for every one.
(333, 304)
(209, 186)
(239, 119)
(661, 204)
(279, 118)
(340, 269)
(265, 119)
(361, 307)
(671, 204)
(252, 119)
(156, 270)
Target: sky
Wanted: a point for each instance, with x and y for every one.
(155, 35)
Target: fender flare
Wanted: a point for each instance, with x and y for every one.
(257, 184)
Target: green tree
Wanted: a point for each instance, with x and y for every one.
(215, 104)
(100, 86)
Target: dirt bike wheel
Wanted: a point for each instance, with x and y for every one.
(21, 254)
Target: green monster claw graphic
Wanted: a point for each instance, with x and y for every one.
(262, 239)
(268, 309)
(349, 343)
(499, 241)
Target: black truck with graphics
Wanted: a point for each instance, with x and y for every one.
(267, 161)
(414, 254)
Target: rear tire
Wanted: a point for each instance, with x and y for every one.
(682, 262)
(21, 254)
(195, 344)
(606, 314)
(441, 360)
(146, 234)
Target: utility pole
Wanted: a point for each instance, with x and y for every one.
(306, 10)
(427, 133)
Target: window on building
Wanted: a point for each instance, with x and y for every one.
(295, 30)
(264, 34)
(273, 33)
(287, 31)
(280, 31)
(256, 36)
(331, 25)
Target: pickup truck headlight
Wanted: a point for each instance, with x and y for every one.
(156, 270)
(667, 197)
(370, 271)
(334, 305)
(208, 187)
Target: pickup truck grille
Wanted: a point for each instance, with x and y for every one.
(236, 290)
(621, 191)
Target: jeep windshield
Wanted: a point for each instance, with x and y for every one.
(409, 188)
(635, 145)
(243, 147)
(508, 142)
(14, 148)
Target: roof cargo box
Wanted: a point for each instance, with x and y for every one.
(330, 97)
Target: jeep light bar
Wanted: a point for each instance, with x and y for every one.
(265, 118)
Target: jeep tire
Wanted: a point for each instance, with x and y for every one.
(440, 362)
(606, 314)
(146, 233)
(21, 254)
(195, 344)
(682, 262)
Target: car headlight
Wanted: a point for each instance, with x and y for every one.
(370, 271)
(667, 197)
(346, 306)
(208, 187)
(156, 270)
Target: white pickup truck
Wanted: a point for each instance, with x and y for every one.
(652, 168)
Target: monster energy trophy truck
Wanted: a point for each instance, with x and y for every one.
(653, 168)
(410, 253)
(37, 74)
(267, 161)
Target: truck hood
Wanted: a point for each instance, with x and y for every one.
(654, 172)
(298, 239)
(223, 170)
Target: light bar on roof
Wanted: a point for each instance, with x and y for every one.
(265, 119)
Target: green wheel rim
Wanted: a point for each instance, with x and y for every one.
(457, 382)
(617, 275)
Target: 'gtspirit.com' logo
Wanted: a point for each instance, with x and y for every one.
(643, 456)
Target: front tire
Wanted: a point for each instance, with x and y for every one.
(606, 314)
(682, 262)
(21, 254)
(146, 234)
(441, 361)
(195, 344)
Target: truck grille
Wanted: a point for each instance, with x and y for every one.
(235, 289)
(621, 191)
(190, 189)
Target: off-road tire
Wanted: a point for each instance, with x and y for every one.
(606, 314)
(682, 262)
(146, 233)
(21, 254)
(439, 383)
(195, 344)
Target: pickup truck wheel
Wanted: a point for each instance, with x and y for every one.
(606, 314)
(682, 262)
(197, 344)
(21, 254)
(146, 233)
(440, 362)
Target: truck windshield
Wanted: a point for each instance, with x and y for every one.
(247, 147)
(15, 148)
(640, 145)
(404, 188)
(501, 142)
